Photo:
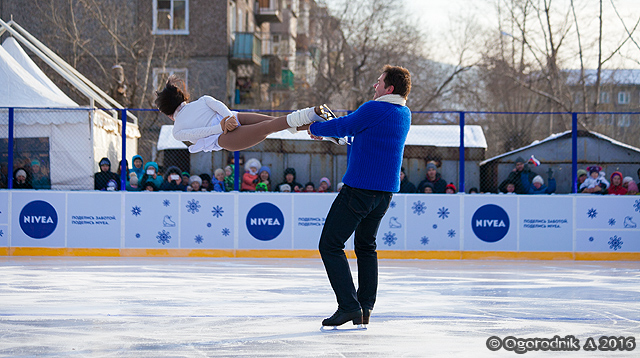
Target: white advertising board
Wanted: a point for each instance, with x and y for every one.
(546, 223)
(207, 220)
(38, 218)
(264, 221)
(94, 220)
(490, 222)
(152, 220)
(433, 222)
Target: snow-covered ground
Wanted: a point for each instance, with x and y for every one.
(106, 307)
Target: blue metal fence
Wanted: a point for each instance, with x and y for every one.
(461, 119)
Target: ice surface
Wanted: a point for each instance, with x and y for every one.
(106, 307)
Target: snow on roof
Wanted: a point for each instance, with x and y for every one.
(15, 50)
(21, 89)
(556, 136)
(618, 77)
(167, 141)
(420, 135)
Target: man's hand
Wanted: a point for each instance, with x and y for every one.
(313, 136)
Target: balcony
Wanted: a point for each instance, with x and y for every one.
(271, 69)
(268, 11)
(247, 49)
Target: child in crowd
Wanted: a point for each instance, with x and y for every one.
(309, 187)
(450, 189)
(595, 179)
(427, 188)
(218, 180)
(325, 185)
(616, 187)
(250, 177)
(285, 188)
(195, 183)
(229, 177)
(132, 185)
(206, 182)
(265, 177)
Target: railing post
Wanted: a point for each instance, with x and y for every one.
(574, 152)
(123, 166)
(236, 171)
(461, 179)
(10, 151)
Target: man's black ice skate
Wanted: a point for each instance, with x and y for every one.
(340, 317)
(366, 313)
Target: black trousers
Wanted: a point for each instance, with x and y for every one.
(361, 211)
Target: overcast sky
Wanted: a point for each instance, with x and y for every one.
(437, 17)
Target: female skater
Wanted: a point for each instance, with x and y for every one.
(210, 125)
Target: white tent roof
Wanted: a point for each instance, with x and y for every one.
(21, 89)
(15, 50)
(421, 135)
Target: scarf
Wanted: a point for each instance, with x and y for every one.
(392, 98)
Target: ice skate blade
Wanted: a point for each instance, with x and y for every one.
(337, 141)
(359, 327)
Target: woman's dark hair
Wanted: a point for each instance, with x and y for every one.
(172, 95)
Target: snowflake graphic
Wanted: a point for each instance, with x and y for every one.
(166, 202)
(1, 233)
(390, 238)
(193, 206)
(424, 240)
(217, 211)
(138, 235)
(615, 243)
(637, 205)
(136, 211)
(592, 213)
(419, 207)
(435, 226)
(226, 232)
(591, 239)
(163, 237)
(208, 224)
(199, 239)
(451, 233)
(443, 213)
(612, 222)
(393, 204)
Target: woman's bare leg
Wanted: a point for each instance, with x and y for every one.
(252, 118)
(249, 135)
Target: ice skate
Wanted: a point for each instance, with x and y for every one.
(366, 313)
(327, 114)
(339, 318)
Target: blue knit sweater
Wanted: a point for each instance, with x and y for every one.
(379, 130)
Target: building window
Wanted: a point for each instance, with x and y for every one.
(623, 97)
(170, 17)
(604, 97)
(624, 119)
(160, 76)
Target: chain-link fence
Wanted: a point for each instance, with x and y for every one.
(63, 149)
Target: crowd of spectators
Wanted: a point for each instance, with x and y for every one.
(148, 176)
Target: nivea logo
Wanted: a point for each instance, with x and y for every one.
(490, 223)
(265, 221)
(38, 219)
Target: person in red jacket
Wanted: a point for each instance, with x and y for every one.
(616, 187)
(250, 177)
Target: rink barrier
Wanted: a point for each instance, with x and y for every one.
(282, 225)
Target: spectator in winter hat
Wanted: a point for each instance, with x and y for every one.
(537, 184)
(264, 176)
(520, 170)
(138, 166)
(39, 179)
(132, 184)
(285, 188)
(433, 177)
(173, 180)
(309, 187)
(102, 178)
(250, 177)
(450, 189)
(632, 189)
(185, 178)
(149, 186)
(151, 174)
(229, 178)
(405, 185)
(217, 182)
(616, 187)
(206, 182)
(262, 187)
(290, 178)
(582, 176)
(21, 179)
(339, 186)
(325, 185)
(428, 188)
(595, 183)
(195, 184)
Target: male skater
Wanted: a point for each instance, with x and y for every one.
(379, 129)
